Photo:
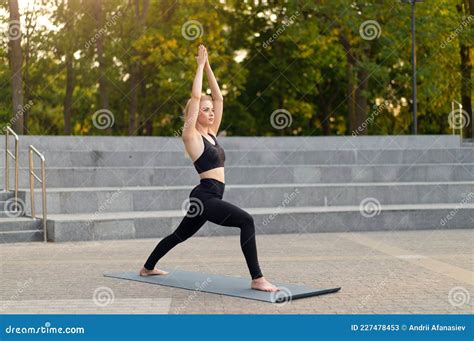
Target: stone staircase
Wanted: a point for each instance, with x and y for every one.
(14, 225)
(136, 187)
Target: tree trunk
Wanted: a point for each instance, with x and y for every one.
(149, 127)
(69, 92)
(133, 99)
(27, 79)
(31, 20)
(103, 91)
(27, 85)
(15, 57)
(466, 70)
(143, 94)
(361, 100)
(466, 87)
(325, 104)
(140, 13)
(325, 119)
(351, 100)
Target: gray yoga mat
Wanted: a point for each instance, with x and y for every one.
(224, 285)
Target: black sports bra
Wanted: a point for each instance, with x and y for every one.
(213, 156)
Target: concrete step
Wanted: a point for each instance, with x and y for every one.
(113, 143)
(4, 195)
(153, 224)
(21, 229)
(24, 223)
(155, 176)
(243, 157)
(155, 198)
(26, 236)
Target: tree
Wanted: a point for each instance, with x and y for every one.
(466, 10)
(140, 10)
(99, 15)
(15, 57)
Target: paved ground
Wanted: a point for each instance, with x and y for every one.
(380, 272)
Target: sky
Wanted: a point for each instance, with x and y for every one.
(24, 6)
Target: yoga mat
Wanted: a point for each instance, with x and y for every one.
(224, 285)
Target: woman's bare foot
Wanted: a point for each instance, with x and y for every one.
(145, 272)
(262, 284)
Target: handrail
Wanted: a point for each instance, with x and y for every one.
(453, 102)
(43, 185)
(8, 154)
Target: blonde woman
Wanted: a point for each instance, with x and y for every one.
(202, 118)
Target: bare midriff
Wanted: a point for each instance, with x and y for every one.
(215, 173)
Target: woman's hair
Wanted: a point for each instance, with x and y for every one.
(184, 116)
(204, 97)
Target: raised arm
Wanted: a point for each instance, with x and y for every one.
(217, 98)
(189, 128)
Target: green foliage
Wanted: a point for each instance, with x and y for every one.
(291, 58)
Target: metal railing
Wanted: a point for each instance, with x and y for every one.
(8, 154)
(43, 187)
(461, 118)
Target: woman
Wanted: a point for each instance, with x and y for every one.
(203, 115)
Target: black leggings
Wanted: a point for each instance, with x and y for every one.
(205, 203)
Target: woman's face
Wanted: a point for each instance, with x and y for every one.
(206, 113)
